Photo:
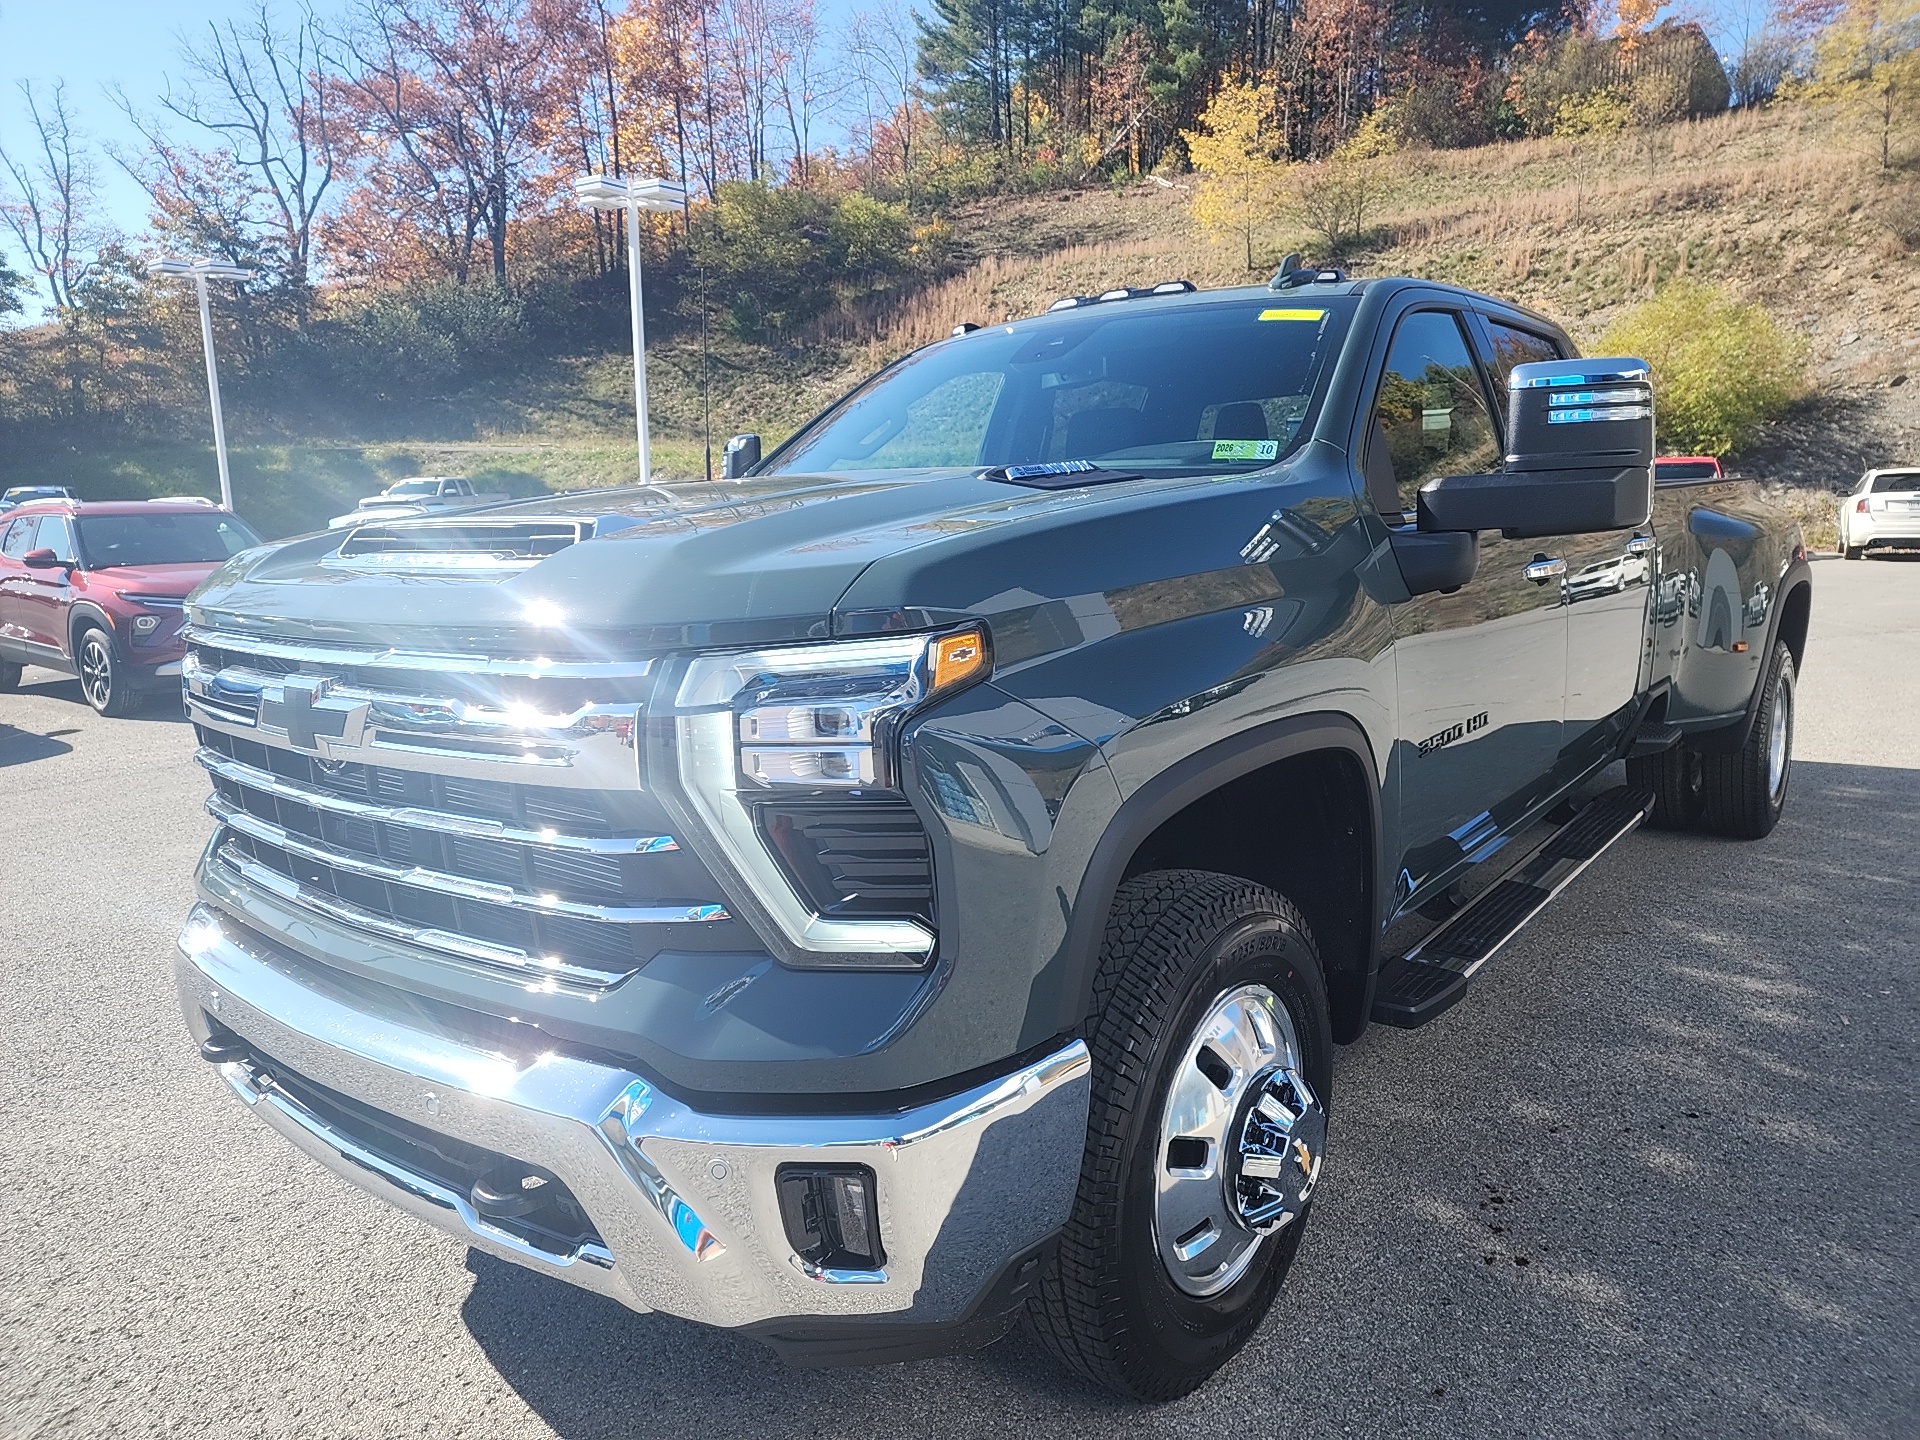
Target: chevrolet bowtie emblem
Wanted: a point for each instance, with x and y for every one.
(313, 722)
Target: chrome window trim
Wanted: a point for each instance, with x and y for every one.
(414, 817)
(454, 663)
(509, 958)
(459, 886)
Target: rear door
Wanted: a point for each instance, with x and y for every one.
(45, 594)
(16, 538)
(1481, 673)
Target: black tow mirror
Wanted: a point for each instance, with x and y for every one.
(1579, 456)
(740, 456)
(44, 559)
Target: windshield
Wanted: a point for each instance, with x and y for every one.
(1212, 389)
(415, 487)
(19, 494)
(1893, 484)
(109, 540)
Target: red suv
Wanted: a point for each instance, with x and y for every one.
(99, 589)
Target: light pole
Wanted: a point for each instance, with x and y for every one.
(603, 192)
(201, 271)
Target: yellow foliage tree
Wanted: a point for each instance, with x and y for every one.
(1869, 58)
(1241, 176)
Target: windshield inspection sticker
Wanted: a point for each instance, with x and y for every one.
(1292, 314)
(1246, 449)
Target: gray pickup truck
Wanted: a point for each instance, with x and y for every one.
(921, 879)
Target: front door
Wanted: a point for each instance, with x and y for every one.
(44, 594)
(1481, 673)
(16, 538)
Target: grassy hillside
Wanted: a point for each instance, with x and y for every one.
(1788, 207)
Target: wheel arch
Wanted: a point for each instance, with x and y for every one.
(1213, 811)
(83, 616)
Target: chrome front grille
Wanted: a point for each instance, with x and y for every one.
(439, 813)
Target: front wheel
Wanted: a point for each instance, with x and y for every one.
(10, 675)
(103, 679)
(1746, 790)
(1212, 1054)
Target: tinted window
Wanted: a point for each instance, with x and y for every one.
(1889, 484)
(1212, 389)
(162, 539)
(19, 537)
(1431, 417)
(1513, 347)
(1684, 469)
(56, 534)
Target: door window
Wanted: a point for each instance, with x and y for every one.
(1431, 417)
(1513, 347)
(19, 537)
(56, 534)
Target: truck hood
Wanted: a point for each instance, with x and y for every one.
(664, 565)
(803, 557)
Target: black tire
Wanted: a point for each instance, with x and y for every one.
(1745, 793)
(103, 679)
(1177, 942)
(10, 675)
(1678, 781)
(1852, 552)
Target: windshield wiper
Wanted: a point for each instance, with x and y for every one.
(1057, 475)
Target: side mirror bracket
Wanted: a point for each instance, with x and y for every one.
(1435, 561)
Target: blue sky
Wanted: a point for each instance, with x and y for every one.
(94, 43)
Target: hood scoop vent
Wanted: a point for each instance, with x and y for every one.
(465, 545)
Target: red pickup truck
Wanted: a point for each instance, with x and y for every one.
(98, 590)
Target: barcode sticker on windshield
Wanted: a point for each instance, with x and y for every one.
(1246, 449)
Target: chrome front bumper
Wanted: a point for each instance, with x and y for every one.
(684, 1201)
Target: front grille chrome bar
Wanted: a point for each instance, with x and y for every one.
(591, 747)
(459, 886)
(509, 958)
(304, 653)
(440, 821)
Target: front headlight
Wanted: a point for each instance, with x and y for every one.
(810, 720)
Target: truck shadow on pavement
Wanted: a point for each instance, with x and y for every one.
(23, 747)
(163, 706)
(1653, 1174)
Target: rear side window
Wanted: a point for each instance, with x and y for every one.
(1431, 417)
(19, 537)
(1513, 347)
(1905, 480)
(1684, 470)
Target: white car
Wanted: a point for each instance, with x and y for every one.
(1883, 509)
(418, 495)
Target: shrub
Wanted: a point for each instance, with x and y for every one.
(423, 341)
(1721, 366)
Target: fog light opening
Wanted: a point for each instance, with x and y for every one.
(832, 1215)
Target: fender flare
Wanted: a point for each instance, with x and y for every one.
(1187, 780)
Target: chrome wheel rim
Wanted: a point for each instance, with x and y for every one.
(1242, 1138)
(1779, 738)
(96, 672)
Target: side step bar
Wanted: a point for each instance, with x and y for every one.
(1432, 977)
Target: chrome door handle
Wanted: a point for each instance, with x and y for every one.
(1640, 545)
(1543, 568)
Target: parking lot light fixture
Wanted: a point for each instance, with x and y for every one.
(604, 192)
(200, 271)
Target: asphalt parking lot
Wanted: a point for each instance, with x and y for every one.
(1659, 1174)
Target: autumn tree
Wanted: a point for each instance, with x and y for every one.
(260, 94)
(1233, 149)
(882, 56)
(1868, 58)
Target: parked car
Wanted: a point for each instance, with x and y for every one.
(1699, 468)
(922, 879)
(17, 495)
(98, 590)
(1882, 510)
(422, 495)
